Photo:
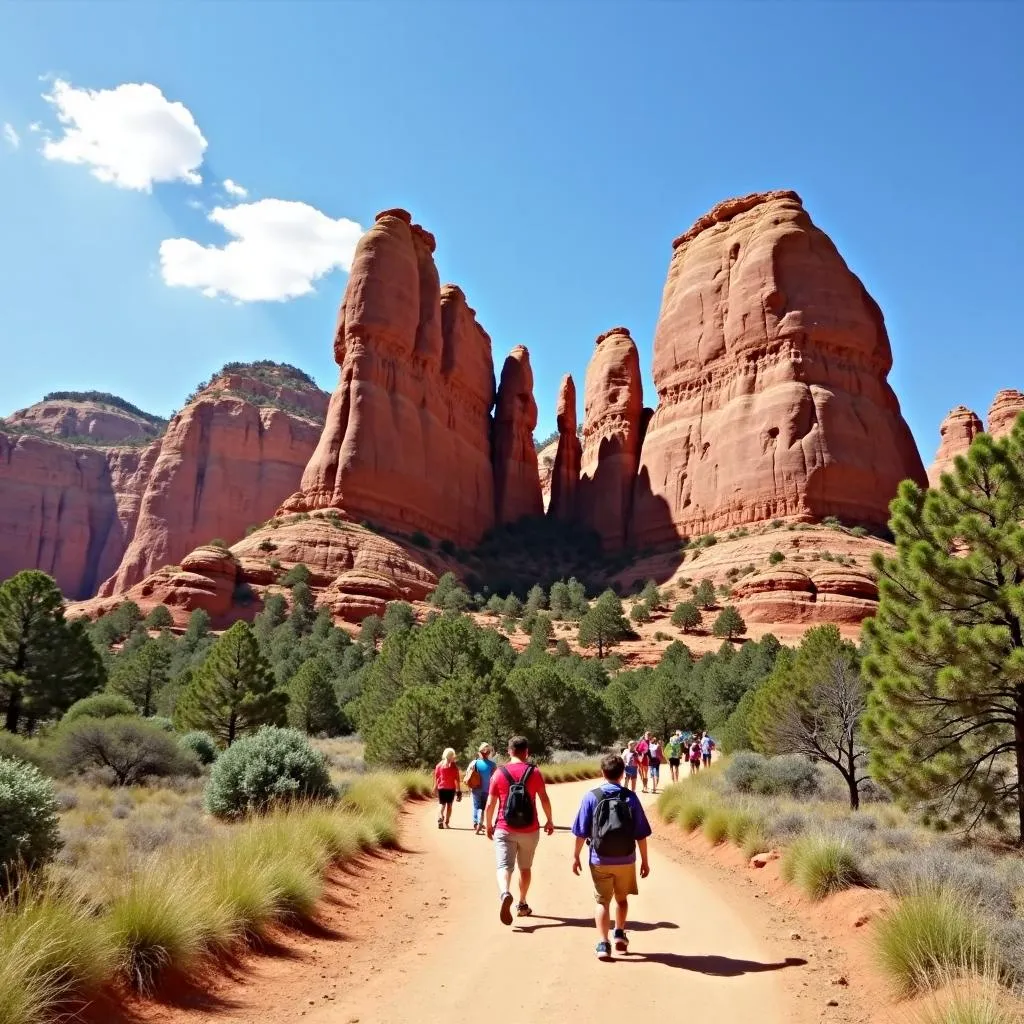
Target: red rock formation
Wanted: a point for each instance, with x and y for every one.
(565, 472)
(958, 430)
(516, 475)
(224, 464)
(1006, 407)
(406, 439)
(546, 467)
(837, 594)
(71, 418)
(612, 414)
(770, 361)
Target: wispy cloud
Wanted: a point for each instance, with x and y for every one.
(12, 138)
(234, 189)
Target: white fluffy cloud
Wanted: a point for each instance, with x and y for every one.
(12, 137)
(131, 135)
(234, 189)
(279, 248)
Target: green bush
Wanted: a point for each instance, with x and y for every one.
(821, 865)
(927, 939)
(29, 830)
(274, 766)
(775, 557)
(99, 705)
(788, 775)
(127, 747)
(21, 748)
(201, 744)
(159, 618)
(420, 539)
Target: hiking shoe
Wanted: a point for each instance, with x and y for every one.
(604, 950)
(621, 940)
(506, 908)
(440, 822)
(523, 910)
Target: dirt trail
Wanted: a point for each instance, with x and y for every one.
(426, 945)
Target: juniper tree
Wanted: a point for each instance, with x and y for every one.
(603, 626)
(729, 623)
(704, 594)
(686, 616)
(945, 661)
(142, 674)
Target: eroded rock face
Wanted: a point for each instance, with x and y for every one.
(99, 422)
(565, 469)
(1006, 407)
(958, 430)
(406, 443)
(837, 594)
(516, 475)
(223, 465)
(771, 364)
(612, 435)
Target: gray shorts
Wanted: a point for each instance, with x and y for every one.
(512, 848)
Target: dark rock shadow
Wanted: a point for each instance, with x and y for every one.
(712, 964)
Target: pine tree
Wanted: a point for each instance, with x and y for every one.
(640, 613)
(233, 690)
(159, 618)
(704, 594)
(603, 626)
(46, 663)
(651, 596)
(686, 616)
(729, 623)
(303, 613)
(559, 600)
(945, 720)
(415, 729)
(142, 674)
(536, 599)
(398, 615)
(312, 705)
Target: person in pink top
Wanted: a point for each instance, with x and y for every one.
(513, 824)
(447, 786)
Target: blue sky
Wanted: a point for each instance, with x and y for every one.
(555, 149)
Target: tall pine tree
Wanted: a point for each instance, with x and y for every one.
(232, 692)
(945, 718)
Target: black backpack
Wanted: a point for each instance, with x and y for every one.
(612, 832)
(519, 809)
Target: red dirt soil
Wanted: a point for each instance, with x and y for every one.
(414, 934)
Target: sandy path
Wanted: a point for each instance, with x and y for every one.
(415, 935)
(456, 959)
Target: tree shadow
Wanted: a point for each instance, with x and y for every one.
(588, 922)
(711, 964)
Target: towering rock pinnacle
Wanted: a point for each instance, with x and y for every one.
(407, 438)
(771, 363)
(1003, 412)
(517, 490)
(960, 427)
(565, 475)
(612, 417)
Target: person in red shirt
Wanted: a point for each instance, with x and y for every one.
(643, 758)
(513, 824)
(447, 786)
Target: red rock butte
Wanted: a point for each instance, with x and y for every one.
(771, 363)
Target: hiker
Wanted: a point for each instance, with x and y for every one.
(654, 757)
(707, 746)
(515, 789)
(674, 751)
(694, 757)
(629, 759)
(642, 759)
(613, 822)
(446, 786)
(478, 781)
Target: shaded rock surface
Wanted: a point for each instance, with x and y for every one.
(771, 363)
(516, 476)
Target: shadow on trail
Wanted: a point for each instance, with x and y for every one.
(716, 966)
(586, 922)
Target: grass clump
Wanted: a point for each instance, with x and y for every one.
(570, 771)
(821, 865)
(929, 938)
(716, 825)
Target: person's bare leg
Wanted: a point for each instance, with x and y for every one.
(525, 877)
(603, 921)
(621, 910)
(504, 881)
(447, 815)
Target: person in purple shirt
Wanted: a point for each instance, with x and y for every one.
(612, 820)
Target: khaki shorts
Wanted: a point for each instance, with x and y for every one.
(613, 881)
(512, 848)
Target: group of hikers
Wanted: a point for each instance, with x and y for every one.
(610, 820)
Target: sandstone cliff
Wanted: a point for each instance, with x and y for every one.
(771, 363)
(958, 430)
(86, 416)
(612, 414)
(90, 513)
(1002, 414)
(407, 438)
(565, 467)
(517, 490)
